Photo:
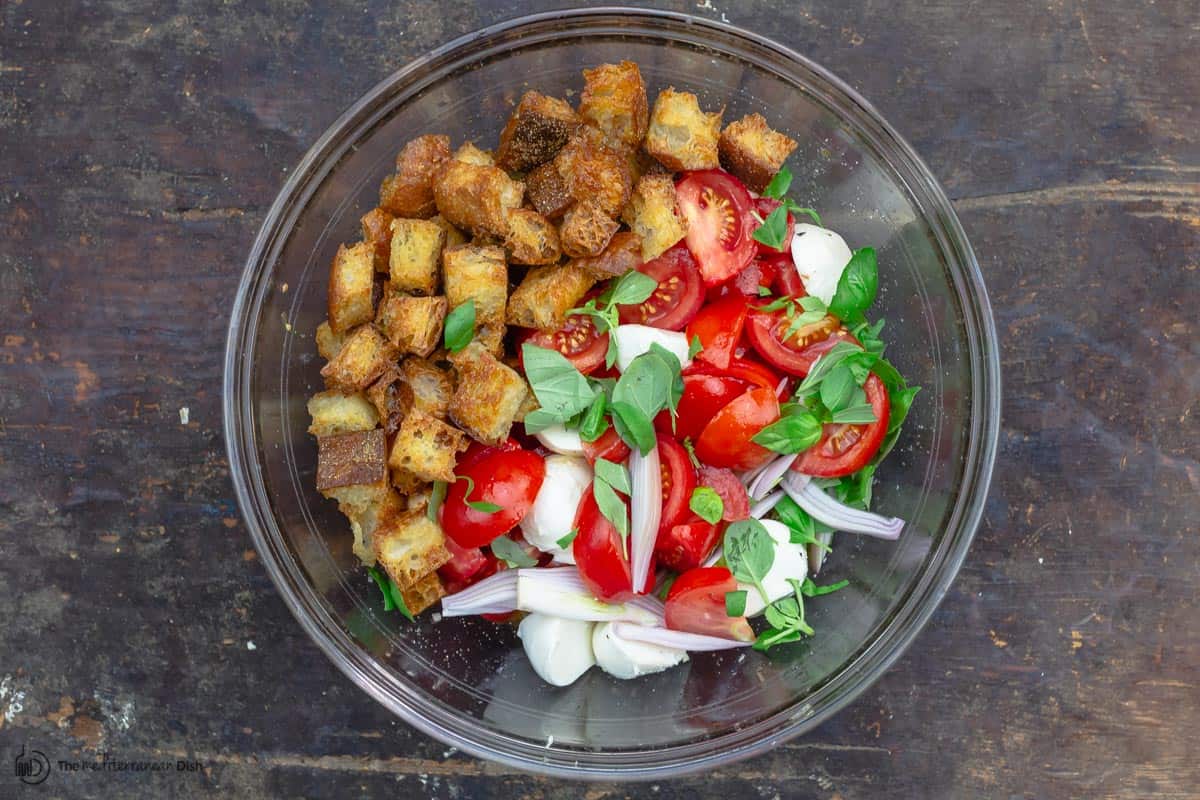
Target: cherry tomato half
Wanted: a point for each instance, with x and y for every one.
(609, 446)
(703, 396)
(678, 481)
(679, 295)
(719, 328)
(578, 340)
(732, 491)
(726, 439)
(510, 477)
(466, 566)
(600, 553)
(764, 206)
(696, 604)
(794, 354)
(719, 225)
(750, 370)
(845, 449)
(760, 273)
(686, 544)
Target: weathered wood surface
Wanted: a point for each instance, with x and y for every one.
(140, 144)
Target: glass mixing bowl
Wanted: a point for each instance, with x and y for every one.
(466, 681)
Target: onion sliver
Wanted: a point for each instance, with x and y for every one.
(681, 640)
(495, 594)
(561, 592)
(824, 508)
(770, 475)
(645, 512)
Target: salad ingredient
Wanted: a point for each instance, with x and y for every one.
(760, 509)
(678, 479)
(559, 650)
(681, 640)
(635, 340)
(495, 594)
(696, 604)
(627, 658)
(839, 516)
(717, 208)
(856, 288)
(564, 592)
(727, 440)
(465, 564)
(753, 151)
(790, 561)
(600, 552)
(793, 352)
(552, 514)
(820, 256)
(769, 209)
(686, 544)
(770, 476)
(846, 447)
(703, 396)
(508, 478)
(735, 504)
(578, 340)
(609, 447)
(681, 136)
(646, 510)
(557, 439)
(718, 326)
(679, 295)
(653, 215)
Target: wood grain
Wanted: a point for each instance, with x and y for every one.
(140, 144)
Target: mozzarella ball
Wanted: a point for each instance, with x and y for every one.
(553, 513)
(820, 256)
(624, 659)
(633, 340)
(560, 650)
(791, 561)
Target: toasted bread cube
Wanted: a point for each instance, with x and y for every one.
(594, 171)
(536, 131)
(681, 136)
(454, 236)
(431, 387)
(363, 358)
(416, 248)
(586, 230)
(614, 100)
(377, 232)
(752, 151)
(530, 403)
(623, 253)
(470, 154)
(479, 273)
(531, 239)
(392, 397)
(351, 287)
(477, 198)
(410, 546)
(426, 447)
(491, 336)
(412, 324)
(408, 483)
(333, 413)
(349, 459)
(547, 294)
(548, 191)
(653, 214)
(488, 396)
(409, 192)
(423, 594)
(328, 342)
(365, 507)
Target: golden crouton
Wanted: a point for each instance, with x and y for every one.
(548, 191)
(491, 336)
(412, 324)
(333, 413)
(350, 459)
(426, 447)
(624, 252)
(479, 273)
(752, 151)
(654, 215)
(431, 386)
(470, 154)
(377, 232)
(530, 403)
(614, 100)
(488, 396)
(586, 230)
(410, 546)
(681, 136)
(409, 193)
(535, 132)
(407, 482)
(547, 294)
(477, 198)
(328, 342)
(365, 509)
(454, 236)
(594, 171)
(416, 248)
(423, 594)
(392, 397)
(363, 358)
(531, 239)
(351, 287)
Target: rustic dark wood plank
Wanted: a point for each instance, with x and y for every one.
(140, 144)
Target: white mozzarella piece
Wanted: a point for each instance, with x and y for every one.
(820, 256)
(633, 340)
(553, 513)
(791, 561)
(557, 439)
(560, 650)
(624, 659)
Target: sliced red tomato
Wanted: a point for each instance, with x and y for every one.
(464, 565)
(609, 446)
(686, 544)
(732, 491)
(785, 279)
(750, 370)
(794, 354)
(719, 225)
(600, 553)
(696, 604)
(726, 439)
(578, 340)
(760, 273)
(703, 396)
(678, 480)
(509, 478)
(764, 206)
(845, 449)
(679, 295)
(719, 328)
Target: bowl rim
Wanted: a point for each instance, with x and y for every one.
(873, 659)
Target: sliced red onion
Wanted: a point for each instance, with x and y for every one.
(680, 640)
(495, 594)
(760, 509)
(817, 551)
(781, 389)
(561, 592)
(770, 475)
(645, 511)
(824, 508)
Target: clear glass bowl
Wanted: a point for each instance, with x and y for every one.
(466, 681)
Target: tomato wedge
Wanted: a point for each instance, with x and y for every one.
(696, 604)
(464, 565)
(686, 544)
(785, 279)
(794, 354)
(509, 477)
(764, 206)
(719, 225)
(578, 340)
(719, 328)
(679, 295)
(600, 553)
(761, 272)
(703, 396)
(732, 491)
(726, 439)
(609, 446)
(678, 480)
(749, 370)
(845, 449)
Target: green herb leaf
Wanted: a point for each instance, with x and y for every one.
(794, 433)
(615, 475)
(810, 589)
(857, 287)
(611, 505)
(567, 540)
(763, 291)
(855, 490)
(735, 603)
(509, 551)
(823, 366)
(393, 599)
(695, 347)
(593, 424)
(749, 553)
(901, 402)
(804, 529)
(773, 636)
(707, 504)
(633, 426)
(538, 420)
(775, 305)
(481, 506)
(436, 497)
(460, 326)
(862, 414)
(779, 184)
(665, 589)
(836, 388)
(773, 229)
(691, 451)
(561, 390)
(632, 287)
(651, 383)
(810, 212)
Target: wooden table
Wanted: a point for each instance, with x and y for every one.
(140, 144)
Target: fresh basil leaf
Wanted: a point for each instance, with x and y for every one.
(855, 490)
(794, 433)
(665, 589)
(763, 291)
(783, 613)
(857, 287)
(509, 551)
(615, 475)
(707, 504)
(611, 506)
(749, 553)
(437, 496)
(823, 366)
(901, 402)
(799, 321)
(775, 305)
(632, 287)
(561, 390)
(569, 539)
(891, 377)
(695, 347)
(648, 383)
(633, 426)
(835, 389)
(810, 589)
(735, 603)
(862, 414)
(803, 527)
(393, 599)
(812, 303)
(868, 335)
(810, 212)
(779, 184)
(773, 229)
(675, 369)
(593, 425)
(538, 420)
(482, 506)
(460, 326)
(772, 636)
